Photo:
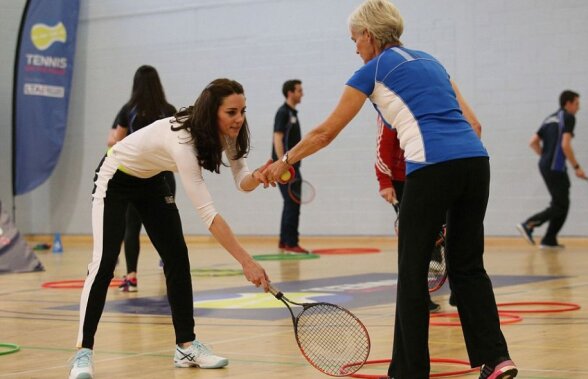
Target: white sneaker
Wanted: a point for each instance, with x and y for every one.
(198, 355)
(81, 365)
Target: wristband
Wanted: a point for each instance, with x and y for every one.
(577, 166)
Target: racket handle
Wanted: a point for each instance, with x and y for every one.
(396, 206)
(274, 291)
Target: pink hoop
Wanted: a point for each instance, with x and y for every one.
(433, 360)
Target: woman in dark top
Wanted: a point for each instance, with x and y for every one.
(146, 105)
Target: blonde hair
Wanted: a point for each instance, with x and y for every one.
(381, 19)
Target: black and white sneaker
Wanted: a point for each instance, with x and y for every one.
(526, 232)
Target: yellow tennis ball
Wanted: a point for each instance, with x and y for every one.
(286, 176)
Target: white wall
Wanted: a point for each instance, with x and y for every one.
(510, 58)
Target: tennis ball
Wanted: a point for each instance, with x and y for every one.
(286, 176)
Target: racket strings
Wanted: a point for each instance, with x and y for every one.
(438, 264)
(301, 191)
(332, 339)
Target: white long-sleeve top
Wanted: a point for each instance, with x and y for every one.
(156, 148)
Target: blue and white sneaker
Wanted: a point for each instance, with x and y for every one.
(198, 355)
(81, 365)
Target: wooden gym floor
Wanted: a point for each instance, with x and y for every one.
(135, 338)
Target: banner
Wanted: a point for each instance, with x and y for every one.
(42, 81)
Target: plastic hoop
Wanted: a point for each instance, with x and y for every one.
(433, 360)
(566, 307)
(285, 257)
(215, 272)
(75, 283)
(509, 318)
(347, 250)
(12, 348)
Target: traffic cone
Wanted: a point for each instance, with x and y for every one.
(57, 245)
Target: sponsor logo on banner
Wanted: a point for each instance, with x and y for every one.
(43, 36)
(43, 90)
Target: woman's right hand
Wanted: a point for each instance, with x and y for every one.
(256, 274)
(389, 195)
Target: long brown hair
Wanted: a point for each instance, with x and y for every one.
(147, 97)
(201, 120)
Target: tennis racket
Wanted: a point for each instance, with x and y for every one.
(330, 337)
(396, 206)
(301, 191)
(438, 264)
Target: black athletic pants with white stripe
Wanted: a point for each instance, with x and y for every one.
(133, 228)
(457, 190)
(155, 203)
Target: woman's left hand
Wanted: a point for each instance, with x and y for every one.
(258, 174)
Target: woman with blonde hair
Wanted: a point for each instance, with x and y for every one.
(447, 175)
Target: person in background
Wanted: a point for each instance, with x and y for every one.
(287, 134)
(390, 172)
(553, 144)
(146, 105)
(132, 172)
(447, 179)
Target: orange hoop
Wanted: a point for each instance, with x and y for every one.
(510, 318)
(566, 307)
(433, 360)
(76, 283)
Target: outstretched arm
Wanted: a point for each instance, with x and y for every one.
(251, 269)
(349, 105)
(251, 181)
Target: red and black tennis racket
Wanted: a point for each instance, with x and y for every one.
(330, 337)
(301, 191)
(438, 264)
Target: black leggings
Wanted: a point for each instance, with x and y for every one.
(155, 204)
(457, 191)
(133, 228)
